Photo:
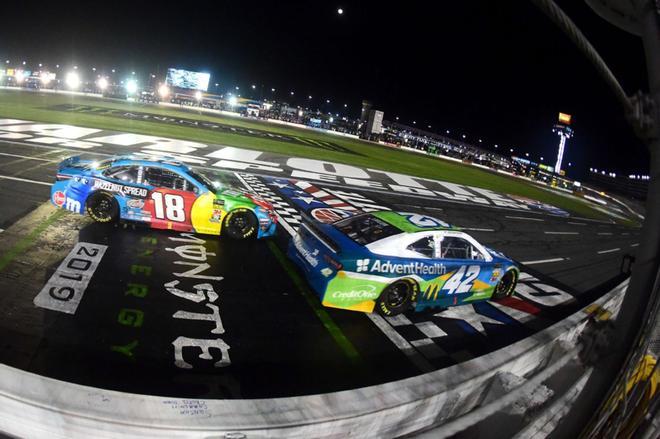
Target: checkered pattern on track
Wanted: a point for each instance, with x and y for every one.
(282, 207)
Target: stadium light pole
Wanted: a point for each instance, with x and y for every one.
(641, 18)
(72, 80)
(164, 91)
(102, 83)
(131, 86)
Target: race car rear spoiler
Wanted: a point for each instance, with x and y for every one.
(312, 226)
(69, 162)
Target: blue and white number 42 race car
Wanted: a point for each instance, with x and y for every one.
(394, 262)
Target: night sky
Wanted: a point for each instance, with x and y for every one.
(495, 70)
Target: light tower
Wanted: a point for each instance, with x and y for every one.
(564, 131)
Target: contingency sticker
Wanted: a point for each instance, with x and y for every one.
(65, 288)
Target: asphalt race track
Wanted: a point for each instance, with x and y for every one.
(256, 331)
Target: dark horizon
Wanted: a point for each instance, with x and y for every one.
(500, 72)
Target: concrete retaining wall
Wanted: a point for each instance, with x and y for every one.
(34, 406)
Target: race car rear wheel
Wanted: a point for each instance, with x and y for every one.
(507, 285)
(397, 297)
(240, 223)
(102, 207)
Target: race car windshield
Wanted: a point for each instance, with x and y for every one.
(365, 229)
(203, 179)
(103, 164)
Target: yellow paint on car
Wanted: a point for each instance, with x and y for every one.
(202, 214)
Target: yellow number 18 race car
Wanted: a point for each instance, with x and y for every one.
(163, 193)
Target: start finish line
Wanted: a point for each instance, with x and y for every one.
(238, 159)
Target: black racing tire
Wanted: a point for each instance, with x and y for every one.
(397, 297)
(240, 223)
(102, 207)
(507, 285)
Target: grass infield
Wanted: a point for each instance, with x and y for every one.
(36, 106)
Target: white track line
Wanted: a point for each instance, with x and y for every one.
(25, 180)
(523, 218)
(605, 233)
(29, 157)
(576, 224)
(401, 343)
(561, 233)
(476, 229)
(593, 220)
(634, 245)
(544, 261)
(608, 251)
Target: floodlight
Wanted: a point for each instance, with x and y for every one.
(198, 95)
(72, 80)
(163, 91)
(45, 78)
(102, 83)
(131, 86)
(233, 101)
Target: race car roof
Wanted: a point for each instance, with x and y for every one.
(143, 159)
(406, 221)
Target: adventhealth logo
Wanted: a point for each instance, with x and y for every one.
(362, 265)
(409, 268)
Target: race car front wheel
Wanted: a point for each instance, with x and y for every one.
(507, 285)
(240, 223)
(397, 297)
(102, 207)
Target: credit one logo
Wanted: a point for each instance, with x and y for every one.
(358, 292)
